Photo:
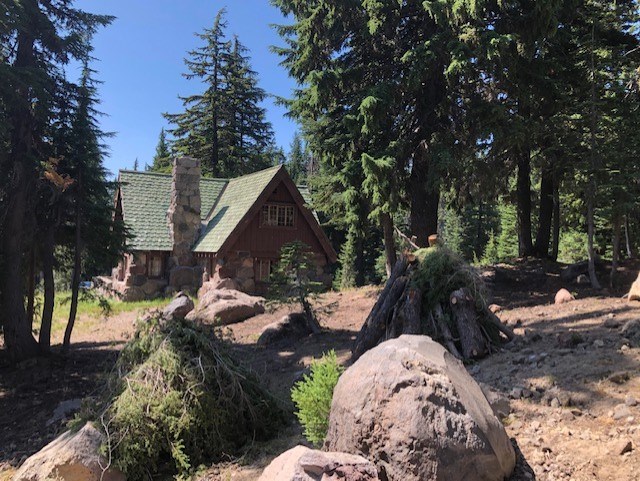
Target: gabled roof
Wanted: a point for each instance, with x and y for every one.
(227, 208)
(234, 203)
(145, 201)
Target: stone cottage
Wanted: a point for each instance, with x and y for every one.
(189, 229)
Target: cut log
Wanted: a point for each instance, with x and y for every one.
(447, 337)
(495, 320)
(406, 315)
(375, 327)
(472, 341)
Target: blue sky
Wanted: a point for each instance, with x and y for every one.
(141, 61)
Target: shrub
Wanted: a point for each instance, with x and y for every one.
(312, 396)
(177, 399)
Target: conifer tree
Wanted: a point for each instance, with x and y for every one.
(162, 158)
(225, 126)
(298, 160)
(41, 37)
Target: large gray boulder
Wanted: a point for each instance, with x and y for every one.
(179, 307)
(304, 464)
(226, 306)
(70, 457)
(291, 327)
(412, 409)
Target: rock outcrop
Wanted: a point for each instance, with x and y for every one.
(414, 411)
(304, 464)
(70, 457)
(290, 327)
(179, 307)
(226, 306)
(634, 292)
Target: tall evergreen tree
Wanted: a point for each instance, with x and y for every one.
(224, 126)
(162, 158)
(298, 160)
(41, 38)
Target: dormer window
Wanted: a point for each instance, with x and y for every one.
(276, 215)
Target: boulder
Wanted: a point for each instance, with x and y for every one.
(304, 464)
(563, 296)
(416, 413)
(217, 283)
(631, 331)
(70, 457)
(226, 306)
(571, 272)
(634, 292)
(179, 307)
(291, 327)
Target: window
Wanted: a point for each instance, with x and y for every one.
(263, 269)
(155, 265)
(278, 215)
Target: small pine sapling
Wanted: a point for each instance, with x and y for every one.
(291, 280)
(313, 395)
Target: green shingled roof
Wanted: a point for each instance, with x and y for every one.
(236, 200)
(145, 201)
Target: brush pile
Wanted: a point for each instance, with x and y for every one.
(178, 400)
(434, 292)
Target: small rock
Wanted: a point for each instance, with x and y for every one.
(611, 322)
(622, 447)
(621, 411)
(598, 343)
(495, 308)
(619, 377)
(631, 401)
(516, 393)
(563, 296)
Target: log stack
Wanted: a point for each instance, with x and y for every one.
(432, 292)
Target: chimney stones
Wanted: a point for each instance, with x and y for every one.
(184, 210)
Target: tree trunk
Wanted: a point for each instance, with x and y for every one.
(390, 256)
(425, 198)
(556, 218)
(48, 243)
(592, 186)
(545, 216)
(31, 293)
(615, 257)
(18, 339)
(77, 268)
(523, 196)
(627, 238)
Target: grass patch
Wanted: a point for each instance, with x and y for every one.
(91, 309)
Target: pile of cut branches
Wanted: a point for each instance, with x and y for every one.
(434, 292)
(178, 400)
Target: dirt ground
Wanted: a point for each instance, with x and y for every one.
(572, 379)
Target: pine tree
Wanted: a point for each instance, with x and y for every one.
(225, 126)
(298, 160)
(162, 158)
(41, 37)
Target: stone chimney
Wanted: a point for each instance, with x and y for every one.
(184, 210)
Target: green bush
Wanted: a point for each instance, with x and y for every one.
(573, 247)
(312, 396)
(177, 400)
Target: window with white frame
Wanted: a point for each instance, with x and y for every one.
(263, 269)
(276, 215)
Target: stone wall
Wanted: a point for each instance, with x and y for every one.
(135, 285)
(184, 211)
(240, 268)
